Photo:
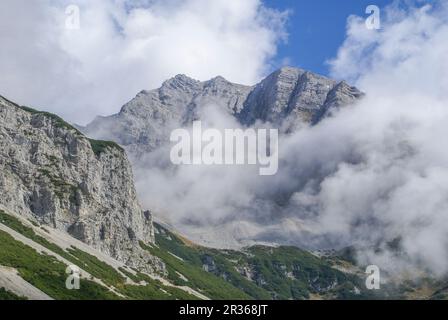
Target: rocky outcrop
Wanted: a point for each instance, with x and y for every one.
(145, 123)
(288, 98)
(51, 173)
(291, 97)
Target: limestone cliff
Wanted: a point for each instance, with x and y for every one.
(52, 173)
(289, 98)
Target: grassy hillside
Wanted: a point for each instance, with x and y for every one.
(7, 295)
(47, 273)
(257, 272)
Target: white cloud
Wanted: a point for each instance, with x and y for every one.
(373, 173)
(398, 186)
(125, 46)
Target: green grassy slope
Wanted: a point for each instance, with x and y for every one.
(48, 274)
(7, 295)
(45, 272)
(257, 273)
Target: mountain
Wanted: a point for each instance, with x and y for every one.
(291, 97)
(67, 201)
(34, 258)
(145, 122)
(52, 174)
(288, 98)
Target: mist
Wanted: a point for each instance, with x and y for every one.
(373, 174)
(123, 46)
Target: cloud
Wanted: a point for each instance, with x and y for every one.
(125, 46)
(373, 176)
(396, 189)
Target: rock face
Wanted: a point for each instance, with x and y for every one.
(291, 97)
(288, 98)
(145, 123)
(51, 173)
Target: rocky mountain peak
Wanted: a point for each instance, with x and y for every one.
(294, 97)
(217, 81)
(288, 98)
(181, 82)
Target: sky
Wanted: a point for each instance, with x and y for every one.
(316, 29)
(121, 47)
(372, 174)
(381, 165)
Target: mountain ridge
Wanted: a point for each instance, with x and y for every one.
(41, 159)
(289, 98)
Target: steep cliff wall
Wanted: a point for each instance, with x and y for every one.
(52, 173)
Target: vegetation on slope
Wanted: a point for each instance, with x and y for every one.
(257, 272)
(98, 146)
(260, 272)
(152, 289)
(57, 121)
(15, 224)
(209, 284)
(47, 266)
(45, 272)
(185, 267)
(7, 295)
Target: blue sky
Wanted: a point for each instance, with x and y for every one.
(317, 29)
(154, 43)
